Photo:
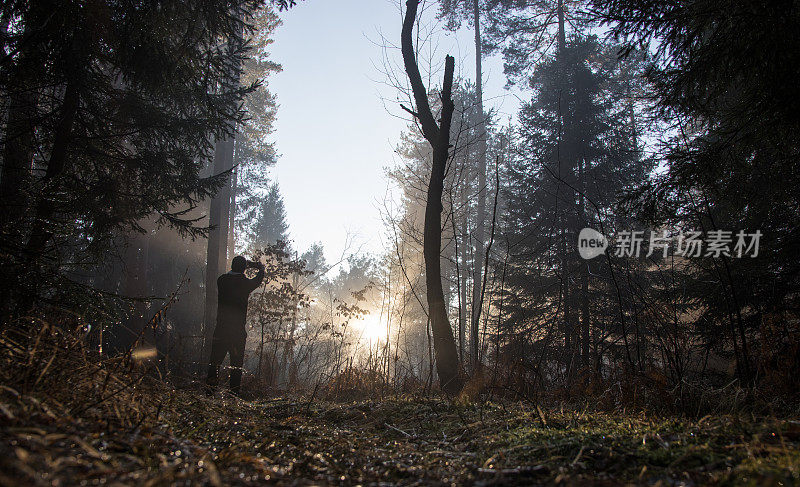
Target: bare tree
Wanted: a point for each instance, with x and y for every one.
(438, 135)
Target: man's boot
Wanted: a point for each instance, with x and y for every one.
(211, 380)
(236, 381)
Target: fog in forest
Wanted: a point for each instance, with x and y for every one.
(509, 242)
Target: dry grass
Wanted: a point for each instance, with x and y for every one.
(68, 418)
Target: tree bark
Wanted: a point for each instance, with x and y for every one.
(447, 366)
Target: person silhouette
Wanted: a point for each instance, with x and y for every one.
(230, 335)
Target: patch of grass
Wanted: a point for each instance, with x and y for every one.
(406, 441)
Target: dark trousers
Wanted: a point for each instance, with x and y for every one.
(224, 342)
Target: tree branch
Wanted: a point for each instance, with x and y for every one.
(412, 112)
(429, 128)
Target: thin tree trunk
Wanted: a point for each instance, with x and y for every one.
(460, 273)
(585, 304)
(261, 353)
(55, 168)
(17, 157)
(126, 334)
(139, 289)
(224, 196)
(232, 221)
(491, 242)
(288, 349)
(219, 216)
(568, 329)
(215, 243)
(480, 231)
(462, 283)
(585, 315)
(447, 366)
(18, 140)
(562, 36)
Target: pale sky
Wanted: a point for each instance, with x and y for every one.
(334, 133)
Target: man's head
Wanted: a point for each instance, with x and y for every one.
(238, 264)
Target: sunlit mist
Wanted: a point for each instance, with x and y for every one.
(371, 328)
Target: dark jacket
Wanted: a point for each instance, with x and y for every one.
(233, 289)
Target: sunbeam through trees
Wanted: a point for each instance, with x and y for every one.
(399, 242)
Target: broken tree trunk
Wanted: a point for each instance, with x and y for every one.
(447, 364)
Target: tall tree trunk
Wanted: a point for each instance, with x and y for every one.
(562, 35)
(463, 280)
(480, 231)
(17, 157)
(56, 165)
(17, 163)
(47, 205)
(567, 168)
(18, 137)
(568, 328)
(585, 303)
(219, 216)
(136, 286)
(447, 366)
(232, 219)
(217, 244)
(224, 196)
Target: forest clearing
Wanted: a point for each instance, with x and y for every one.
(399, 242)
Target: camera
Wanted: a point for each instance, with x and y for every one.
(253, 264)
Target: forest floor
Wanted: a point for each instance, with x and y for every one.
(190, 439)
(68, 417)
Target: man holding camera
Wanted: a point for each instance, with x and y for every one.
(233, 290)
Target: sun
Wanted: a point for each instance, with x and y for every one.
(371, 328)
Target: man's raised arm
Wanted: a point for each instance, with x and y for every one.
(259, 278)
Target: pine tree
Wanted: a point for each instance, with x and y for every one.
(725, 81)
(112, 113)
(575, 153)
(270, 225)
(528, 32)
